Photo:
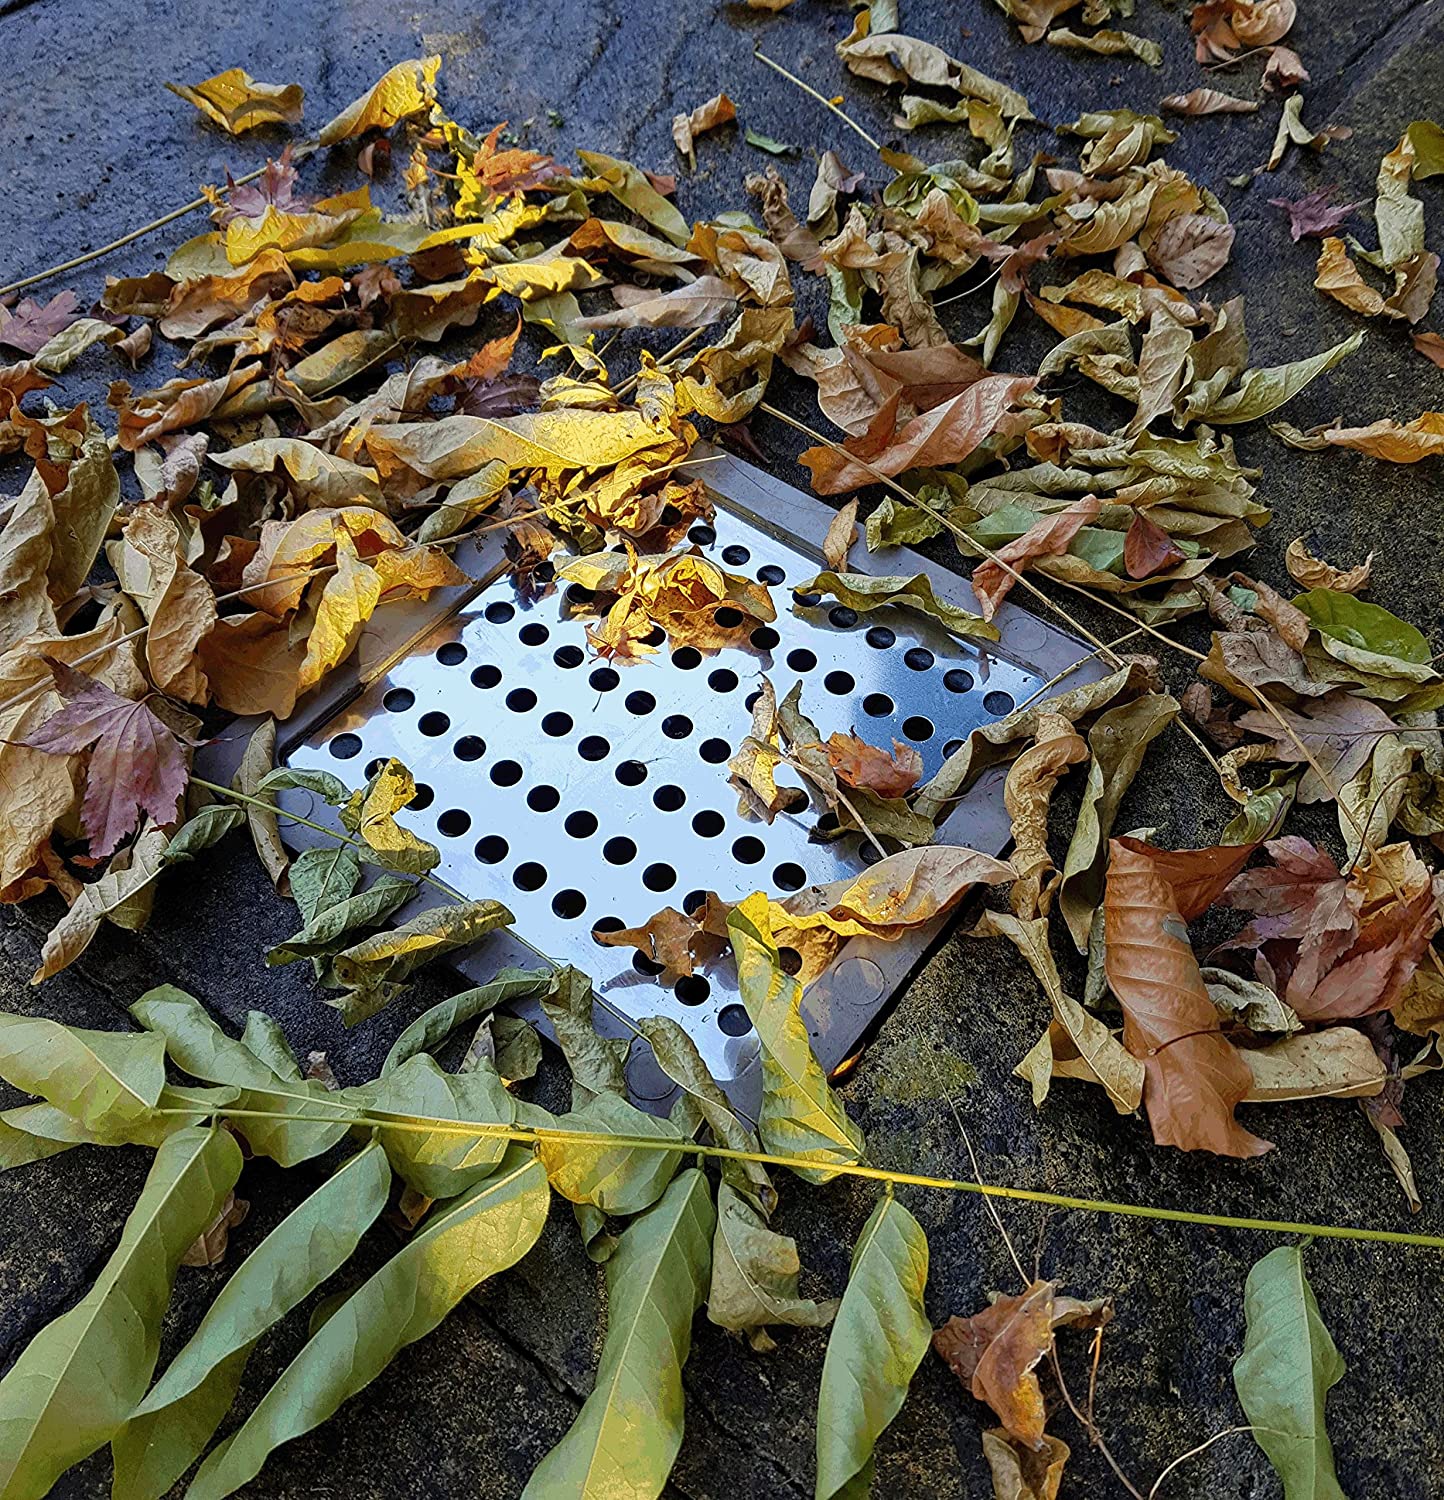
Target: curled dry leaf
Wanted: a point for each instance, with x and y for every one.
(1393, 442)
(1338, 277)
(237, 103)
(1190, 249)
(1314, 214)
(1312, 572)
(405, 90)
(1027, 794)
(841, 534)
(718, 110)
(1049, 537)
(858, 764)
(1207, 102)
(1193, 1075)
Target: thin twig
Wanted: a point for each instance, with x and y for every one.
(822, 99)
(1194, 1452)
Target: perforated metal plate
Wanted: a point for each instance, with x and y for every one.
(582, 793)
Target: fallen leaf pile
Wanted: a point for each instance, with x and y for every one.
(218, 542)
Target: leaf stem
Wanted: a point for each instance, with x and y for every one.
(822, 99)
(541, 1134)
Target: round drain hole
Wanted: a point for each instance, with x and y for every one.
(789, 960)
(500, 612)
(607, 924)
(676, 726)
(433, 724)
(751, 700)
(723, 680)
(593, 747)
(952, 747)
(692, 989)
(918, 727)
(840, 683)
(521, 700)
(669, 798)
(644, 963)
(579, 596)
(998, 702)
(733, 1020)
(714, 752)
(735, 556)
(469, 747)
(569, 656)
(771, 574)
(631, 772)
(398, 700)
(789, 877)
(492, 849)
(958, 681)
(452, 654)
(557, 725)
(727, 618)
(581, 825)
(604, 679)
(453, 823)
(655, 636)
(639, 703)
(529, 876)
(534, 634)
(880, 637)
(702, 534)
(764, 638)
(543, 798)
(748, 850)
(801, 660)
(422, 798)
(806, 601)
(659, 877)
(569, 905)
(693, 900)
(373, 766)
(868, 855)
(919, 658)
(708, 824)
(686, 657)
(878, 705)
(619, 851)
(843, 617)
(506, 773)
(486, 677)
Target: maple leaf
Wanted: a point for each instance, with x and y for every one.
(31, 325)
(513, 170)
(136, 765)
(1315, 214)
(861, 765)
(275, 188)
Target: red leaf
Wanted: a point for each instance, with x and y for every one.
(32, 324)
(1313, 215)
(1193, 1076)
(869, 767)
(136, 765)
(1148, 548)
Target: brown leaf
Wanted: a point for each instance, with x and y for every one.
(707, 300)
(679, 941)
(1311, 572)
(794, 240)
(1338, 277)
(1207, 102)
(1394, 442)
(1193, 1075)
(1023, 1473)
(718, 110)
(1148, 548)
(1284, 70)
(1027, 793)
(209, 1248)
(945, 435)
(136, 764)
(253, 664)
(1216, 723)
(1190, 249)
(1431, 346)
(841, 534)
(1048, 537)
(1338, 731)
(1197, 877)
(859, 764)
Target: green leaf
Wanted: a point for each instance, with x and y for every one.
(864, 592)
(325, 933)
(754, 1274)
(1118, 739)
(264, 1037)
(209, 826)
(878, 1340)
(618, 1179)
(322, 877)
(768, 143)
(20, 1146)
(1288, 1365)
(286, 778)
(800, 1113)
(630, 187)
(1369, 627)
(1263, 391)
(389, 957)
(432, 1027)
(625, 1439)
(31, 1132)
(108, 1081)
(195, 1043)
(596, 1062)
(77, 1380)
(170, 1428)
(435, 1163)
(459, 1247)
(895, 524)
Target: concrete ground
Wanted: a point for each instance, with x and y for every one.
(92, 145)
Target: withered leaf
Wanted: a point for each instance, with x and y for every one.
(1208, 102)
(1190, 249)
(718, 110)
(1311, 572)
(402, 91)
(137, 765)
(1315, 214)
(1048, 537)
(1335, 735)
(237, 103)
(31, 325)
(859, 764)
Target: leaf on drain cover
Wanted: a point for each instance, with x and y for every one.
(869, 767)
(841, 533)
(865, 591)
(1048, 537)
(371, 814)
(679, 941)
(596, 1062)
(755, 764)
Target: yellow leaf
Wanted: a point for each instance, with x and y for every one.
(1394, 442)
(404, 90)
(237, 102)
(348, 600)
(371, 814)
(1338, 277)
(289, 549)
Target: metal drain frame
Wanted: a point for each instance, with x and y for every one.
(843, 1002)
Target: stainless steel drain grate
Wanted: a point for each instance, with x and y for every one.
(585, 795)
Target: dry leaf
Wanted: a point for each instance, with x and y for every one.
(861, 765)
(1311, 572)
(841, 534)
(1394, 442)
(1208, 102)
(402, 91)
(718, 110)
(1048, 537)
(1190, 249)
(237, 103)
(1027, 794)
(209, 1248)
(1338, 277)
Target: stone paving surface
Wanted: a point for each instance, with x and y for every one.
(92, 144)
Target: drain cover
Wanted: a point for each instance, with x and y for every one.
(587, 796)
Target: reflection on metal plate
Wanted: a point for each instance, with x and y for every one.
(587, 795)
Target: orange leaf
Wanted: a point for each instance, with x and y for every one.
(1197, 877)
(1048, 537)
(1193, 1076)
(861, 765)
